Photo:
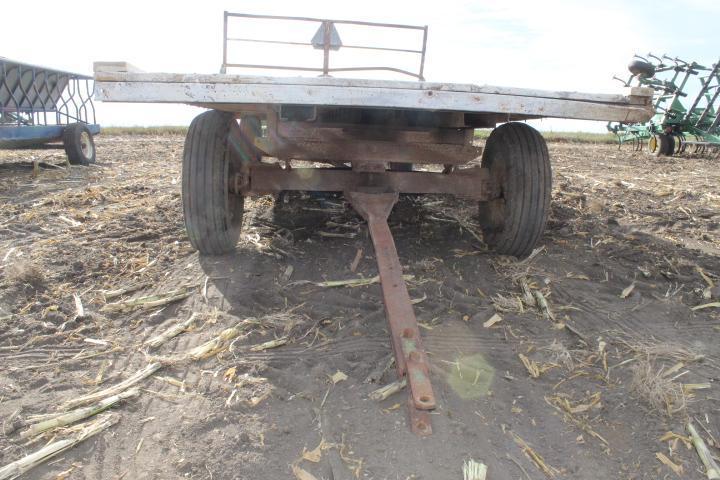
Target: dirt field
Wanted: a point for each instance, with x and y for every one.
(633, 243)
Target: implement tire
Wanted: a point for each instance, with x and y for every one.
(662, 145)
(79, 144)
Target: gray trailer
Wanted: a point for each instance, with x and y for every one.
(372, 135)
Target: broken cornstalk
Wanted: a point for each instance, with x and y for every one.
(60, 420)
(353, 282)
(147, 302)
(384, 392)
(711, 468)
(115, 389)
(217, 344)
(86, 430)
(171, 332)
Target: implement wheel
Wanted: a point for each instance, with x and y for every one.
(662, 144)
(79, 144)
(213, 215)
(518, 160)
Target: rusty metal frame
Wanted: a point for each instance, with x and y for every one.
(326, 25)
(259, 179)
(373, 190)
(451, 143)
(369, 151)
(410, 358)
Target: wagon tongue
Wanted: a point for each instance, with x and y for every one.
(410, 358)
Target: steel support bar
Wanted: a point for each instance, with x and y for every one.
(368, 151)
(709, 107)
(716, 122)
(473, 183)
(703, 90)
(411, 360)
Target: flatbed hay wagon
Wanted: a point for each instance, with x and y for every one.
(46, 108)
(370, 134)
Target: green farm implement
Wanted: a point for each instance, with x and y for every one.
(686, 107)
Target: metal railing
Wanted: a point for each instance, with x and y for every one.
(32, 95)
(328, 41)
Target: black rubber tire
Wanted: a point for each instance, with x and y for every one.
(642, 68)
(79, 144)
(517, 157)
(213, 216)
(664, 145)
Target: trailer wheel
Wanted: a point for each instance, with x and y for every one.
(79, 144)
(661, 144)
(213, 216)
(518, 160)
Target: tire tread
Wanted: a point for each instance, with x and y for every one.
(204, 195)
(527, 190)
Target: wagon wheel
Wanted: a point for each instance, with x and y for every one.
(79, 144)
(518, 160)
(215, 149)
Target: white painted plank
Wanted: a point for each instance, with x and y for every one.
(115, 67)
(119, 76)
(209, 93)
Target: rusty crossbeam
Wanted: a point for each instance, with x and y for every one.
(473, 183)
(368, 151)
(332, 133)
(411, 360)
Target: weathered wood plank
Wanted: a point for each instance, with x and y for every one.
(380, 97)
(120, 76)
(115, 67)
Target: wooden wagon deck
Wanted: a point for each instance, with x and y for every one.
(119, 82)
